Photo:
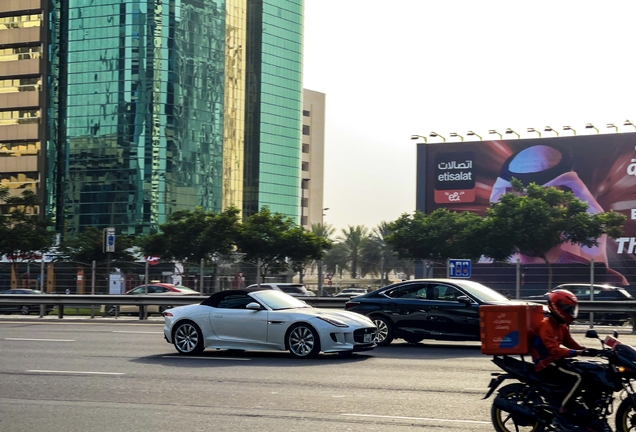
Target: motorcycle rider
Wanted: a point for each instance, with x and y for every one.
(553, 343)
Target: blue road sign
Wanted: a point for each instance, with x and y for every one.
(459, 268)
(109, 240)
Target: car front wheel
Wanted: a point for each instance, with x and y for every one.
(188, 338)
(24, 310)
(384, 335)
(303, 341)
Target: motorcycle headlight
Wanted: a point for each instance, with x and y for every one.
(334, 322)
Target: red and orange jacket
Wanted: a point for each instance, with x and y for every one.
(549, 340)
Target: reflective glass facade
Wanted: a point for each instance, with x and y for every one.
(139, 127)
(154, 106)
(274, 106)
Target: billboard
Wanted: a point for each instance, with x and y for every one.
(598, 169)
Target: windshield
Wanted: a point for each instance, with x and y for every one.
(277, 300)
(482, 292)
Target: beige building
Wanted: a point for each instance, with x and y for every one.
(21, 95)
(313, 158)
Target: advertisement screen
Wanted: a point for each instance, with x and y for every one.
(598, 169)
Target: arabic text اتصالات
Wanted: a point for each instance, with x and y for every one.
(455, 165)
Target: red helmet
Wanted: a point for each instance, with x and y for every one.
(563, 304)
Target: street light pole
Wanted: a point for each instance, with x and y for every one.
(492, 131)
(591, 126)
(435, 134)
(414, 137)
(510, 131)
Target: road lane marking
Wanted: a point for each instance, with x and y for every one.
(136, 332)
(203, 358)
(75, 372)
(40, 340)
(416, 418)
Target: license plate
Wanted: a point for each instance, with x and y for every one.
(368, 338)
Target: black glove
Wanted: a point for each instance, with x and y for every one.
(590, 352)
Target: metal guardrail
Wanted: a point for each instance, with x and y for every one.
(61, 300)
(142, 301)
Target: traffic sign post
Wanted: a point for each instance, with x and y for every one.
(459, 268)
(109, 239)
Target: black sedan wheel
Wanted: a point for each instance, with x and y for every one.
(384, 336)
(413, 339)
(24, 310)
(188, 338)
(303, 341)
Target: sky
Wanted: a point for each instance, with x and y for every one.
(391, 70)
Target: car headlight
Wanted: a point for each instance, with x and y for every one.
(334, 322)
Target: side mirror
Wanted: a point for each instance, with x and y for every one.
(592, 334)
(253, 306)
(464, 299)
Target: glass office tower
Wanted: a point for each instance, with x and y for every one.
(136, 124)
(273, 106)
(160, 105)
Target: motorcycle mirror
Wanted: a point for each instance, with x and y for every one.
(592, 334)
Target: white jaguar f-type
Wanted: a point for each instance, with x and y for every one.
(266, 319)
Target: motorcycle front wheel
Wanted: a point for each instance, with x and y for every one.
(626, 416)
(505, 421)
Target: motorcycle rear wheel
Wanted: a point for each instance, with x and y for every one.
(626, 416)
(504, 421)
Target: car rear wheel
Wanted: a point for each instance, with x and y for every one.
(413, 339)
(188, 338)
(384, 335)
(24, 310)
(303, 341)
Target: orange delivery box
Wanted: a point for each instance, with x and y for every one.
(509, 329)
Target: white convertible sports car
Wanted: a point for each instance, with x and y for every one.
(266, 319)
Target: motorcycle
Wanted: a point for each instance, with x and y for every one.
(532, 405)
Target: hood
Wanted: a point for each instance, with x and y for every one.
(340, 315)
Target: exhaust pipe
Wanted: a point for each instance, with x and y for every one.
(514, 408)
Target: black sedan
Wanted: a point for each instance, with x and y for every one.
(23, 309)
(601, 293)
(414, 310)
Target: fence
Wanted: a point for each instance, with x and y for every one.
(62, 277)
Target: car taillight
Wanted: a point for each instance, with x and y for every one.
(167, 314)
(349, 305)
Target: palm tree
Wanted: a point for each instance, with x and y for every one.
(353, 238)
(323, 230)
(319, 230)
(382, 254)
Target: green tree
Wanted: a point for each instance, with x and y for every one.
(379, 256)
(323, 230)
(441, 235)
(534, 220)
(191, 236)
(23, 233)
(319, 230)
(88, 246)
(304, 247)
(274, 241)
(353, 239)
(337, 259)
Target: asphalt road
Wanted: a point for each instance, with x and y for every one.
(122, 376)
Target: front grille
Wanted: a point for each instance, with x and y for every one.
(358, 335)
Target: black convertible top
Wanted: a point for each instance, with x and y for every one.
(216, 298)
